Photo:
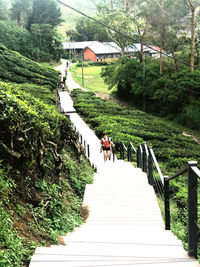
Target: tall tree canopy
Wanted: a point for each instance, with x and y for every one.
(4, 10)
(21, 11)
(45, 12)
(88, 30)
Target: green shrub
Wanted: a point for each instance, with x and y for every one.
(44, 175)
(173, 92)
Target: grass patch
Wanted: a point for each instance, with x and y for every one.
(92, 78)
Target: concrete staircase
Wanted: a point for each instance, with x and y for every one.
(124, 227)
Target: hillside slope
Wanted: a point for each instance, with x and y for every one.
(43, 171)
(16, 68)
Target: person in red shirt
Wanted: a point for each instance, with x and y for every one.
(106, 145)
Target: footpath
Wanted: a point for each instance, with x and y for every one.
(124, 227)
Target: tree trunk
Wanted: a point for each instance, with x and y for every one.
(161, 50)
(175, 61)
(142, 53)
(111, 4)
(192, 42)
(123, 52)
(125, 6)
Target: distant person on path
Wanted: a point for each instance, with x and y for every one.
(67, 64)
(106, 146)
(64, 79)
(63, 87)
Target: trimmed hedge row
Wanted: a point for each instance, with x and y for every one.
(16, 68)
(124, 125)
(42, 92)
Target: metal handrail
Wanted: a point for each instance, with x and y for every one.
(177, 174)
(146, 149)
(132, 146)
(156, 164)
(131, 149)
(196, 170)
(124, 147)
(141, 150)
(193, 174)
(139, 156)
(145, 158)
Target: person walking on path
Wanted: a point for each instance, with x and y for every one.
(106, 146)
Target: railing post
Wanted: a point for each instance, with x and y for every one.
(128, 152)
(88, 150)
(121, 156)
(144, 160)
(131, 154)
(192, 210)
(84, 146)
(113, 157)
(167, 203)
(81, 139)
(122, 151)
(138, 157)
(150, 168)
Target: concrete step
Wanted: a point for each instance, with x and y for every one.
(127, 234)
(111, 254)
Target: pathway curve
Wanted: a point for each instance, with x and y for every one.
(124, 227)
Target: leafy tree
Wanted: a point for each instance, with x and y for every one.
(120, 25)
(88, 30)
(14, 37)
(45, 38)
(162, 15)
(174, 45)
(21, 11)
(45, 12)
(4, 11)
(192, 5)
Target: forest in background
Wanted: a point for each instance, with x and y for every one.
(30, 27)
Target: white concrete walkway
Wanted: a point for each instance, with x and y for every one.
(124, 227)
(71, 84)
(96, 158)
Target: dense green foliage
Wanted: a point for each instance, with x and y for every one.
(43, 172)
(14, 37)
(173, 92)
(38, 91)
(29, 27)
(16, 68)
(88, 30)
(42, 175)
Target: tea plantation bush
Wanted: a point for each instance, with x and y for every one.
(43, 174)
(16, 68)
(44, 93)
(126, 125)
